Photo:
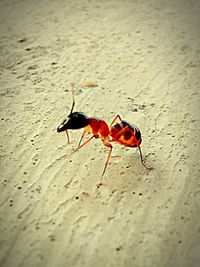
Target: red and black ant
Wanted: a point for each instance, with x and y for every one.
(123, 132)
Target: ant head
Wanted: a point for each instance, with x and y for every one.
(76, 120)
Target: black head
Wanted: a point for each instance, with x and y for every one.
(76, 120)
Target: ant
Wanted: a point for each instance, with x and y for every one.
(123, 132)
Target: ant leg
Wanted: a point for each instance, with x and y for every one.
(142, 161)
(67, 137)
(87, 141)
(81, 138)
(119, 134)
(109, 154)
(107, 161)
(115, 119)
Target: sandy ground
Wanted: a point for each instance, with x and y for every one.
(144, 55)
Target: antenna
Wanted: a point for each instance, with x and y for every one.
(73, 99)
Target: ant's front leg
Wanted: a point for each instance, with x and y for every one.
(67, 137)
(81, 138)
(79, 147)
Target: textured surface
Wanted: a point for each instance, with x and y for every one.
(144, 56)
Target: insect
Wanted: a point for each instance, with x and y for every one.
(121, 132)
(89, 84)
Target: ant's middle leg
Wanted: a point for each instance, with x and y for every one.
(108, 145)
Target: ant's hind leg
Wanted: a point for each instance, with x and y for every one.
(115, 119)
(142, 161)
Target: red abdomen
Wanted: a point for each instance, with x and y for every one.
(126, 134)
